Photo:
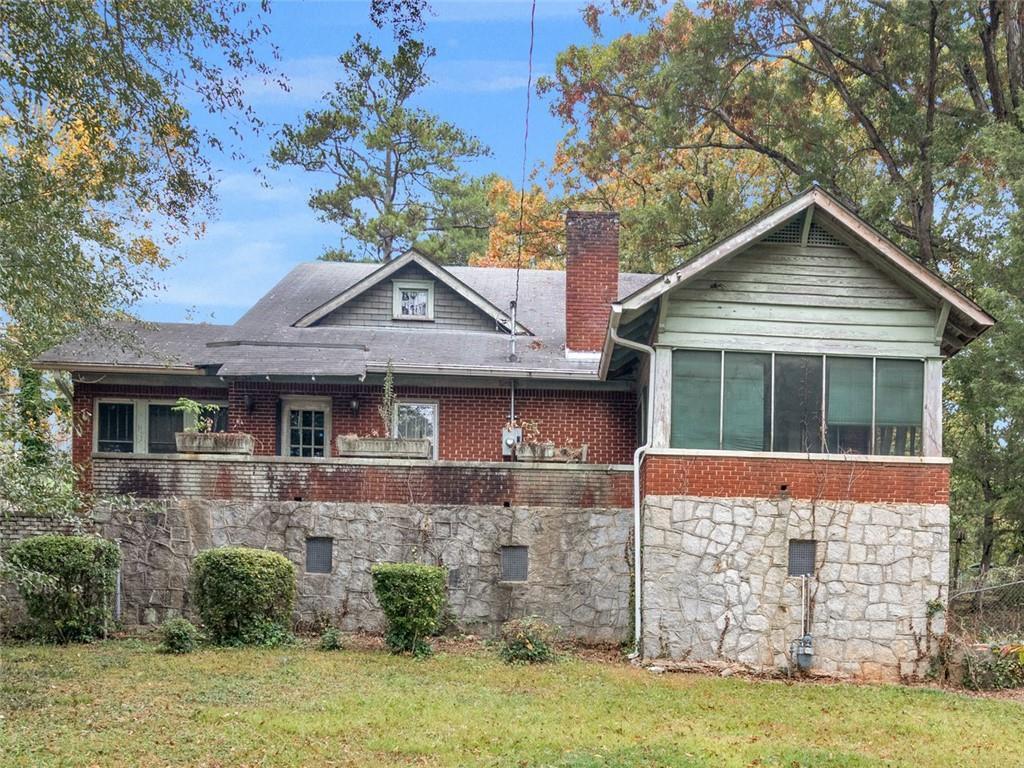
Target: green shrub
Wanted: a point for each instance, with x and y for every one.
(993, 672)
(178, 636)
(69, 585)
(412, 597)
(330, 640)
(527, 641)
(244, 596)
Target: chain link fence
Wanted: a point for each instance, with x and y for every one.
(988, 608)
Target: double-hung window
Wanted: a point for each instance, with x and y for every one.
(306, 427)
(796, 403)
(147, 426)
(416, 419)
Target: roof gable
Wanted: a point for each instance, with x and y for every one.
(817, 214)
(392, 269)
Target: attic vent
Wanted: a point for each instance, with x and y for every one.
(823, 238)
(790, 232)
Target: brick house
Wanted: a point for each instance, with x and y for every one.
(759, 429)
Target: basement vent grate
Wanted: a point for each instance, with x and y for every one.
(319, 554)
(801, 557)
(514, 563)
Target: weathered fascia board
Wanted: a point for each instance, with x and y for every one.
(799, 330)
(767, 456)
(917, 316)
(800, 346)
(661, 398)
(762, 296)
(932, 426)
(913, 351)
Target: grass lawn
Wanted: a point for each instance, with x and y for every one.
(121, 703)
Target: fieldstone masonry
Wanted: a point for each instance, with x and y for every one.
(716, 587)
(579, 572)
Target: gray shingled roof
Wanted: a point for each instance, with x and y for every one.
(264, 341)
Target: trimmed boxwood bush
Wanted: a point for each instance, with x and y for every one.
(244, 596)
(178, 636)
(412, 597)
(68, 585)
(527, 641)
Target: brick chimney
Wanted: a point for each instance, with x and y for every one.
(591, 278)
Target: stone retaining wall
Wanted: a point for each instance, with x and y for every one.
(716, 586)
(579, 572)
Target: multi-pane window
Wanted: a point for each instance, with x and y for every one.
(796, 403)
(413, 300)
(115, 430)
(416, 420)
(148, 426)
(307, 433)
(164, 421)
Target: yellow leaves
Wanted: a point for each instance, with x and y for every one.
(143, 251)
(542, 229)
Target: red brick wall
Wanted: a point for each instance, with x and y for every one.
(85, 394)
(470, 420)
(591, 277)
(767, 477)
(281, 480)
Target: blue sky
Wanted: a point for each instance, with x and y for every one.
(479, 74)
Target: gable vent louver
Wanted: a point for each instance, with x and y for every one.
(791, 233)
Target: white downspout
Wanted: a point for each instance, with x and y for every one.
(638, 457)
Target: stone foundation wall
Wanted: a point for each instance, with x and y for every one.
(579, 572)
(716, 586)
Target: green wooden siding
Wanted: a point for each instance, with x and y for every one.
(788, 298)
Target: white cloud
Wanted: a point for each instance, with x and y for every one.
(502, 10)
(479, 76)
(309, 78)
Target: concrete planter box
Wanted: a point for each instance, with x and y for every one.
(385, 447)
(549, 452)
(214, 442)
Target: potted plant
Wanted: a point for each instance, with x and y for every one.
(387, 447)
(533, 448)
(201, 438)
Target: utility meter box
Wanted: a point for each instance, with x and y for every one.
(509, 439)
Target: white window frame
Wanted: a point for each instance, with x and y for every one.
(304, 403)
(437, 420)
(396, 297)
(140, 436)
(823, 405)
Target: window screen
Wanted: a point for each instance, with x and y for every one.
(746, 420)
(899, 407)
(416, 420)
(848, 404)
(306, 434)
(116, 428)
(319, 554)
(801, 557)
(696, 399)
(514, 563)
(163, 423)
(798, 403)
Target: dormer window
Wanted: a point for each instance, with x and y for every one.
(413, 300)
